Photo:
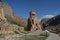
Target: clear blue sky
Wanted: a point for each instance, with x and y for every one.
(42, 7)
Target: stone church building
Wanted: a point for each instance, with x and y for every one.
(33, 22)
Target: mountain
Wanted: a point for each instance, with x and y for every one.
(10, 23)
(8, 12)
(43, 22)
(14, 19)
(19, 18)
(54, 21)
(53, 24)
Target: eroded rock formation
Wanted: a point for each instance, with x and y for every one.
(5, 26)
(33, 22)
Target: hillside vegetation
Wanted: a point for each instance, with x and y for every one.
(14, 21)
(52, 24)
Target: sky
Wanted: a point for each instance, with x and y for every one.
(42, 7)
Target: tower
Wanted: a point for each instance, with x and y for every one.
(33, 22)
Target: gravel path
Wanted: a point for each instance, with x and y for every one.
(53, 37)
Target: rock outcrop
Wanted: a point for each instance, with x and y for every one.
(33, 22)
(5, 26)
(52, 24)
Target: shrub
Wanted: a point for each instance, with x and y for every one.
(44, 34)
(14, 21)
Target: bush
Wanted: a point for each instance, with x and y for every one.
(14, 21)
(1, 36)
(53, 29)
(44, 34)
(16, 32)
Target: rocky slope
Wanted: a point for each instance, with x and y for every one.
(53, 24)
(43, 22)
(19, 18)
(9, 22)
(8, 12)
(54, 21)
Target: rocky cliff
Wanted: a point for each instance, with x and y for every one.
(53, 24)
(8, 12)
(9, 22)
